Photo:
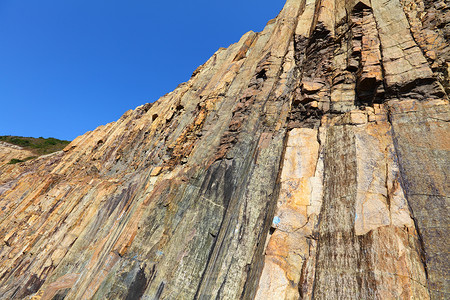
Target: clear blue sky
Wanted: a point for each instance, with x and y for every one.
(68, 66)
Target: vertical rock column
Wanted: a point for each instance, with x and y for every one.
(298, 206)
(421, 136)
(368, 247)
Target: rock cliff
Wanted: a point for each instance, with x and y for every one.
(310, 160)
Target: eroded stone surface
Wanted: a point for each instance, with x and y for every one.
(310, 160)
(9, 151)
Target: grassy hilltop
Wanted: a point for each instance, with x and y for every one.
(39, 146)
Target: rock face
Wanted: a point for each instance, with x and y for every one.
(311, 160)
(9, 151)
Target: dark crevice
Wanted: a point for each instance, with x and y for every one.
(138, 286)
(159, 291)
(261, 74)
(272, 230)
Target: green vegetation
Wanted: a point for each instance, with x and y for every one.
(15, 160)
(40, 145)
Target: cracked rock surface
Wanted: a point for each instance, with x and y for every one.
(308, 161)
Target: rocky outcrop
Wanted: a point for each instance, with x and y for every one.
(9, 152)
(310, 160)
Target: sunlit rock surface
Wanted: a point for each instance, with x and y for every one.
(308, 161)
(9, 151)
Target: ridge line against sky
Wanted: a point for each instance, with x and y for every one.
(70, 66)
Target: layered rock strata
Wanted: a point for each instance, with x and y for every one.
(310, 160)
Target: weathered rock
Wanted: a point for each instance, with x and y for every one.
(310, 160)
(9, 151)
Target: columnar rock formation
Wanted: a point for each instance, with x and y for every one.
(310, 160)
